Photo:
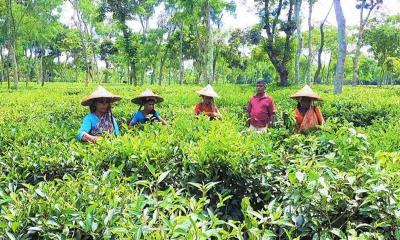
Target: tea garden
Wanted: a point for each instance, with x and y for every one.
(200, 179)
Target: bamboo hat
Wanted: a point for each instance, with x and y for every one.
(208, 91)
(306, 91)
(99, 92)
(145, 96)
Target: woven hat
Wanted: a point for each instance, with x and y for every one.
(208, 91)
(146, 95)
(99, 92)
(306, 91)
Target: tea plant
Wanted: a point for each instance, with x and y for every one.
(199, 179)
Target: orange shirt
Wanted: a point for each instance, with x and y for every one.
(300, 118)
(207, 109)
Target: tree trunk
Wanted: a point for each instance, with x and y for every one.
(309, 72)
(299, 40)
(76, 74)
(106, 75)
(357, 51)
(42, 70)
(317, 77)
(210, 46)
(360, 40)
(128, 73)
(96, 66)
(12, 43)
(160, 74)
(281, 66)
(83, 28)
(181, 69)
(8, 76)
(214, 72)
(169, 76)
(133, 73)
(153, 73)
(3, 70)
(15, 63)
(341, 24)
(29, 72)
(145, 24)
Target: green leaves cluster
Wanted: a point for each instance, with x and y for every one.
(199, 179)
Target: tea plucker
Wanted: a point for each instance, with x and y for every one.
(146, 113)
(207, 106)
(100, 119)
(307, 115)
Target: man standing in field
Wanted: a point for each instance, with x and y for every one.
(261, 109)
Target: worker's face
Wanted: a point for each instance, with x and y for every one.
(103, 105)
(149, 106)
(260, 87)
(207, 100)
(305, 102)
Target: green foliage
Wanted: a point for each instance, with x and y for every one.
(199, 179)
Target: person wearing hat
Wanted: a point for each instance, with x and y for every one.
(306, 115)
(147, 99)
(100, 119)
(261, 109)
(207, 106)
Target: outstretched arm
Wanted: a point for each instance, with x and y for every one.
(163, 122)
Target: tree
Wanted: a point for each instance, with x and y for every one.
(310, 27)
(272, 21)
(383, 38)
(341, 24)
(3, 41)
(297, 11)
(107, 49)
(122, 11)
(12, 42)
(362, 5)
(84, 10)
(317, 77)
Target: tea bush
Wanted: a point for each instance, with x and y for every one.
(199, 179)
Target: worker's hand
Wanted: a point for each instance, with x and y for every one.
(90, 138)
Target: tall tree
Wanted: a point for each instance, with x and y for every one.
(383, 38)
(84, 10)
(123, 11)
(297, 10)
(368, 5)
(3, 40)
(12, 42)
(310, 52)
(210, 46)
(273, 22)
(342, 47)
(317, 77)
(107, 49)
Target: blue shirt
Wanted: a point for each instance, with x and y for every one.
(139, 117)
(90, 121)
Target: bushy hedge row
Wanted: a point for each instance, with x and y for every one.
(199, 179)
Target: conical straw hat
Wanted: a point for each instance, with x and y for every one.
(306, 91)
(208, 91)
(146, 94)
(99, 92)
